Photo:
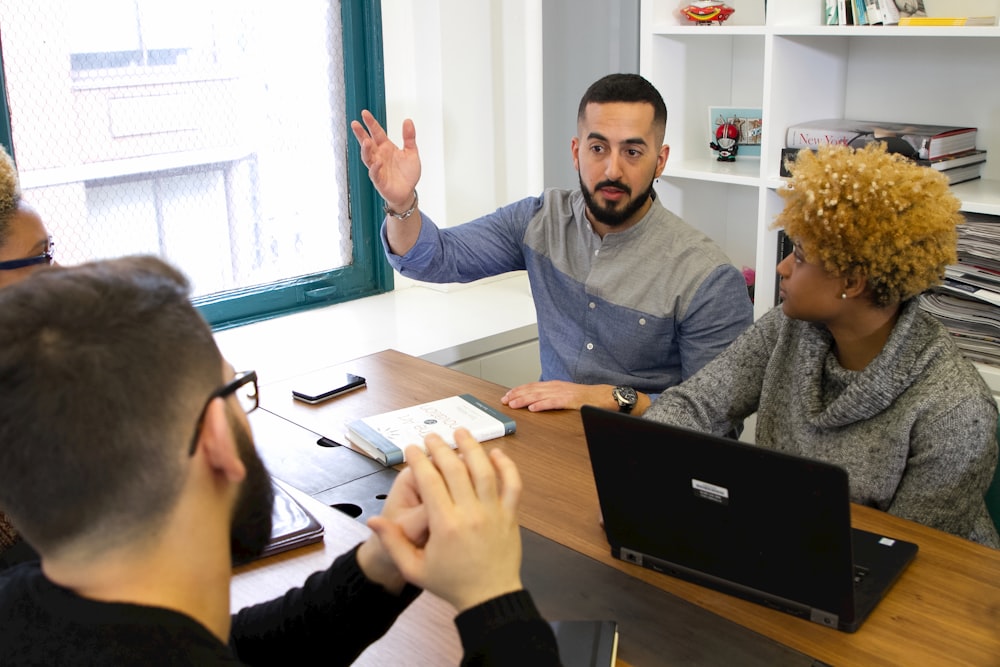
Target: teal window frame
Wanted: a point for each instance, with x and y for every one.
(369, 273)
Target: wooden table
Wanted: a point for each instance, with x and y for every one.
(657, 627)
(945, 609)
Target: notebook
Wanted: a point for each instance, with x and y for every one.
(749, 521)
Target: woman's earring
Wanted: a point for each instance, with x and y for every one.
(843, 295)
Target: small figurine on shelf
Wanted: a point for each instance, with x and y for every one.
(706, 12)
(726, 141)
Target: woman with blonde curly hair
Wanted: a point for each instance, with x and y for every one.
(848, 368)
(24, 247)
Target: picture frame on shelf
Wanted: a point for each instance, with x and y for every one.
(747, 120)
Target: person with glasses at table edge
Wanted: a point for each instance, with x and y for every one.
(128, 461)
(25, 246)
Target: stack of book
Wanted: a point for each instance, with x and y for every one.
(949, 149)
(968, 303)
(862, 12)
(893, 12)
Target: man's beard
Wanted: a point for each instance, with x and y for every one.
(611, 216)
(250, 529)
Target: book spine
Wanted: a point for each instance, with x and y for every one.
(811, 137)
(386, 452)
(860, 16)
(873, 12)
(832, 12)
(975, 159)
(505, 425)
(946, 164)
(890, 13)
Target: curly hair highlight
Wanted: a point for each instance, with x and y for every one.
(10, 192)
(866, 212)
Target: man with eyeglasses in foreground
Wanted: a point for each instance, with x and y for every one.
(127, 461)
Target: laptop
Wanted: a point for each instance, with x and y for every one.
(763, 525)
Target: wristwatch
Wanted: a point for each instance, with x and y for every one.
(625, 397)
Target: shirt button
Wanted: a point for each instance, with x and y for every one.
(642, 321)
(590, 346)
(596, 253)
(592, 305)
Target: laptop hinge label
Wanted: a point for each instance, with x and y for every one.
(717, 494)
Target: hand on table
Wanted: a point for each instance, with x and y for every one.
(561, 395)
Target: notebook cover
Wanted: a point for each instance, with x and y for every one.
(292, 524)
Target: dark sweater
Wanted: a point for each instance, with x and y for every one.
(336, 614)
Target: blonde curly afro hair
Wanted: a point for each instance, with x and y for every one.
(871, 213)
(10, 192)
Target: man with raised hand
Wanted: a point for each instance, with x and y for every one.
(630, 299)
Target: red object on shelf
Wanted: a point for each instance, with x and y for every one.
(707, 12)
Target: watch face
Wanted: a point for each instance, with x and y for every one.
(626, 396)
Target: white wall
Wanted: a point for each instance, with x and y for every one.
(468, 72)
(584, 40)
(493, 86)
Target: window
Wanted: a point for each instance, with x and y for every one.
(214, 134)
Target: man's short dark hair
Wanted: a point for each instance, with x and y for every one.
(624, 88)
(104, 368)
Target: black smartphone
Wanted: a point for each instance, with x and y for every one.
(327, 386)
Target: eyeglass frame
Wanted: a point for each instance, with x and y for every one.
(45, 258)
(242, 378)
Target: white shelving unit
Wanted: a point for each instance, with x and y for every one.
(796, 69)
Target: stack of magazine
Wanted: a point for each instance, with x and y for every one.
(950, 149)
(968, 303)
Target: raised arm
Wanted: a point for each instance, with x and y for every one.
(394, 172)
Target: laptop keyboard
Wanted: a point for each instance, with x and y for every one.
(859, 574)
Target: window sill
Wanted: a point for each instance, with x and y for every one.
(445, 327)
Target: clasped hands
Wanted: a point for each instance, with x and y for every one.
(449, 524)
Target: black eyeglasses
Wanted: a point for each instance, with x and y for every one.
(45, 258)
(244, 387)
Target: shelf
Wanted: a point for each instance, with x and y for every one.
(979, 196)
(875, 31)
(693, 30)
(744, 171)
(885, 31)
(668, 29)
